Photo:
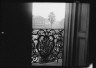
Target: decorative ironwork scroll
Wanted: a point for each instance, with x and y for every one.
(47, 45)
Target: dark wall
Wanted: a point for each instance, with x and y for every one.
(15, 45)
(92, 32)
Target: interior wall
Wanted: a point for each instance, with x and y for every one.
(15, 46)
(92, 34)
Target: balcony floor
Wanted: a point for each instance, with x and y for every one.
(49, 64)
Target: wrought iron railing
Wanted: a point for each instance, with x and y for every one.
(47, 45)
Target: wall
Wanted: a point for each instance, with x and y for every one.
(16, 40)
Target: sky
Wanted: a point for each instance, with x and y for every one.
(43, 9)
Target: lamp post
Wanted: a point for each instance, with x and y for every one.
(51, 18)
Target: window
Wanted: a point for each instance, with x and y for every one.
(47, 34)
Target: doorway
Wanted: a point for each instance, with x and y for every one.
(60, 34)
(48, 34)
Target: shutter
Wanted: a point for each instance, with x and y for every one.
(81, 33)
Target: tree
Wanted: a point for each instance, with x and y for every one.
(51, 17)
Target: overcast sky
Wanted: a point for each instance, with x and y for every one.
(43, 9)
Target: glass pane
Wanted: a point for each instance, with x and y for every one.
(47, 34)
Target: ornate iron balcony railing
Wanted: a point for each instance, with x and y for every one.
(47, 45)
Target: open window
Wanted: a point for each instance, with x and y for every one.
(60, 34)
(48, 33)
